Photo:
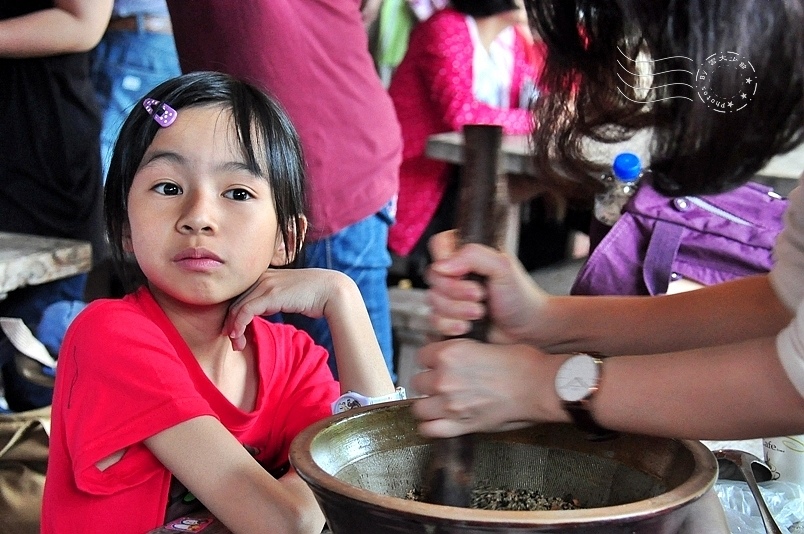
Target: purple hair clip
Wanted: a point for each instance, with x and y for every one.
(163, 114)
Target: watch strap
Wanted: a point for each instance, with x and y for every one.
(351, 400)
(580, 411)
(582, 418)
(398, 394)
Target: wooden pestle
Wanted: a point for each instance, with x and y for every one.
(480, 219)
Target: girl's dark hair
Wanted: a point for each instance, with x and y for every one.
(483, 8)
(267, 138)
(591, 47)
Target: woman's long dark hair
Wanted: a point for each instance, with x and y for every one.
(593, 48)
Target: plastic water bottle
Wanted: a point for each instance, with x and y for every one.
(621, 184)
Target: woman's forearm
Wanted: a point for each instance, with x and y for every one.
(735, 391)
(744, 309)
(68, 27)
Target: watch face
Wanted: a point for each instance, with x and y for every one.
(577, 378)
(346, 403)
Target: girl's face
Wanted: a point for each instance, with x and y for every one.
(202, 226)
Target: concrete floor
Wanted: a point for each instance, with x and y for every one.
(557, 279)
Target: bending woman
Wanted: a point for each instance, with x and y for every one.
(722, 362)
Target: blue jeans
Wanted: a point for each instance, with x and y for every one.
(360, 251)
(28, 303)
(125, 66)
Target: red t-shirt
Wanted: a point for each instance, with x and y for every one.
(313, 57)
(126, 374)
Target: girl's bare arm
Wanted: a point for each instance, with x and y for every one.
(361, 366)
(219, 471)
(320, 293)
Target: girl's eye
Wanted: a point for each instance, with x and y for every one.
(167, 189)
(238, 194)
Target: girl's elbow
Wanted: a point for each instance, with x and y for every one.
(305, 519)
(293, 520)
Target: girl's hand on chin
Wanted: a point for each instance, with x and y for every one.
(305, 291)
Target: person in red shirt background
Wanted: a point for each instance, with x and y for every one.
(470, 63)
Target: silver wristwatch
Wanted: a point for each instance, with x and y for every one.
(350, 400)
(576, 383)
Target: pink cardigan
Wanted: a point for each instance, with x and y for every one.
(432, 93)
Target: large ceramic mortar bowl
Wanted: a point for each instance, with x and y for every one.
(360, 464)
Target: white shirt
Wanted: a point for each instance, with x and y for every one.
(787, 278)
(492, 69)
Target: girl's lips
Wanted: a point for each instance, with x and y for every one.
(199, 264)
(197, 259)
(196, 254)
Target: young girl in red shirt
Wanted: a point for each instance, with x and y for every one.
(180, 395)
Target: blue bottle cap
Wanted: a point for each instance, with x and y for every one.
(627, 166)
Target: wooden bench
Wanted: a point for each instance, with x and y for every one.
(28, 260)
